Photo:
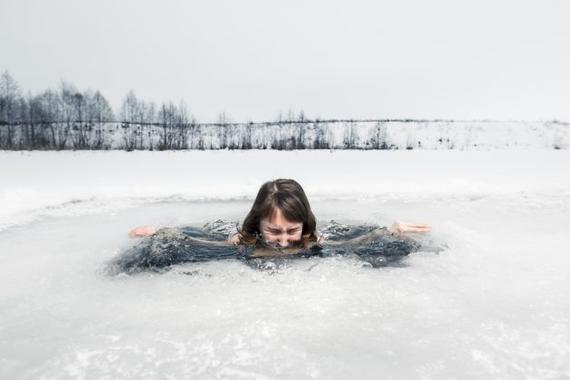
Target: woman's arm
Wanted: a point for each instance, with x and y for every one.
(171, 233)
(398, 229)
(142, 231)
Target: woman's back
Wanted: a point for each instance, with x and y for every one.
(172, 246)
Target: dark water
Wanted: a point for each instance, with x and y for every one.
(171, 246)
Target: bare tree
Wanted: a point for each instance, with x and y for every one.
(167, 120)
(149, 118)
(224, 124)
(350, 137)
(130, 113)
(81, 136)
(322, 140)
(98, 113)
(52, 105)
(43, 116)
(302, 126)
(33, 122)
(9, 101)
(182, 121)
(379, 137)
(70, 104)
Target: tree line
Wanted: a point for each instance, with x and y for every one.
(59, 118)
(67, 118)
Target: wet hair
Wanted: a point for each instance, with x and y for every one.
(283, 194)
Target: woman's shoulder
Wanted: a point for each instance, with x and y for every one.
(222, 227)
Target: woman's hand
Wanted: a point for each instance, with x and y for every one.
(399, 228)
(142, 231)
(234, 239)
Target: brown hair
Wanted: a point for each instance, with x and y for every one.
(289, 197)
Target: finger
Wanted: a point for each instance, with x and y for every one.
(420, 227)
(134, 233)
(420, 230)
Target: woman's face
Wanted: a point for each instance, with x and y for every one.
(279, 231)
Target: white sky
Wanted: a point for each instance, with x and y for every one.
(363, 59)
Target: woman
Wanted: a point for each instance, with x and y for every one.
(280, 224)
(281, 217)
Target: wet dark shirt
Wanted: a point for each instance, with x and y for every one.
(172, 246)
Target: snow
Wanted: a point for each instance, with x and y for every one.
(495, 303)
(43, 183)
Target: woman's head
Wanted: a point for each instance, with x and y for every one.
(281, 215)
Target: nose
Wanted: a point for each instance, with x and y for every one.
(283, 241)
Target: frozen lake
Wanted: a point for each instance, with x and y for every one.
(494, 304)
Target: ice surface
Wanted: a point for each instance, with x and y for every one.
(494, 304)
(47, 183)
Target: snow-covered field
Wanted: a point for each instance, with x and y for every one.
(494, 304)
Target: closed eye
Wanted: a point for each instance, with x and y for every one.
(291, 231)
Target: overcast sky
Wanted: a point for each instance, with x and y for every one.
(363, 59)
